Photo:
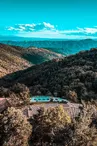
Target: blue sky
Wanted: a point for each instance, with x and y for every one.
(49, 18)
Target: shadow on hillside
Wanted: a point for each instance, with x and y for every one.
(9, 79)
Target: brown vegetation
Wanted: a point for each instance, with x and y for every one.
(11, 60)
(15, 130)
(51, 127)
(18, 95)
(14, 58)
(61, 132)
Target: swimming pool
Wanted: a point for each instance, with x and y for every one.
(47, 99)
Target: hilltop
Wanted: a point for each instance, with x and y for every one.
(73, 77)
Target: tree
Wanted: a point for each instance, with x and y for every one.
(47, 122)
(85, 134)
(81, 132)
(15, 130)
(72, 95)
(20, 95)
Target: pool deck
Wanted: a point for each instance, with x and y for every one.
(72, 109)
(29, 110)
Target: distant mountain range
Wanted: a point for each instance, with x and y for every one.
(17, 38)
(65, 47)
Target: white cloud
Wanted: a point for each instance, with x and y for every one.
(32, 27)
(11, 28)
(48, 25)
(81, 30)
(20, 28)
(88, 30)
(50, 31)
(70, 31)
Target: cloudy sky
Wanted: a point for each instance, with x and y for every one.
(68, 19)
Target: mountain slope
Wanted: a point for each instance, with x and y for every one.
(39, 55)
(72, 77)
(11, 60)
(14, 58)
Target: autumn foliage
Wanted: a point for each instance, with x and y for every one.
(15, 130)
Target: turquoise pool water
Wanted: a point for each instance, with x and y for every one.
(47, 99)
